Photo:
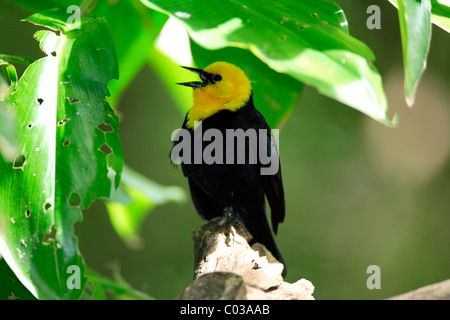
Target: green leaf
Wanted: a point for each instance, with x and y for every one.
(68, 144)
(8, 59)
(8, 133)
(415, 27)
(170, 73)
(134, 200)
(8, 130)
(440, 14)
(118, 285)
(93, 290)
(11, 74)
(307, 40)
(134, 28)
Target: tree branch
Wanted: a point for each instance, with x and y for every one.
(226, 267)
(435, 291)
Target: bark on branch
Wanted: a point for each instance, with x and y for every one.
(435, 291)
(226, 267)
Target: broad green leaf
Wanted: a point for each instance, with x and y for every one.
(307, 40)
(134, 200)
(133, 26)
(415, 28)
(68, 144)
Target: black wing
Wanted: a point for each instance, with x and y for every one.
(207, 207)
(272, 184)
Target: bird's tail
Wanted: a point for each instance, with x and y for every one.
(253, 216)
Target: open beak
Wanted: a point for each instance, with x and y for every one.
(205, 76)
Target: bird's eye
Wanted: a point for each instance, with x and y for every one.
(217, 77)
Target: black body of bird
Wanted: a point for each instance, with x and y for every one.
(237, 187)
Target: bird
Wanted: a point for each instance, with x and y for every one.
(223, 101)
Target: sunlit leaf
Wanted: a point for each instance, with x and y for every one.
(440, 13)
(67, 145)
(134, 29)
(415, 28)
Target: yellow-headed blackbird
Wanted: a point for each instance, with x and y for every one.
(230, 144)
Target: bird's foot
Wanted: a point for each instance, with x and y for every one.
(230, 219)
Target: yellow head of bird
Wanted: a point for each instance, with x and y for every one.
(224, 86)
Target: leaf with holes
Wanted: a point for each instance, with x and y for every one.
(307, 40)
(69, 153)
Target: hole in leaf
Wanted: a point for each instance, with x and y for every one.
(39, 101)
(105, 149)
(74, 199)
(303, 27)
(72, 100)
(15, 102)
(50, 236)
(105, 127)
(53, 53)
(47, 206)
(31, 125)
(63, 121)
(314, 15)
(28, 213)
(19, 162)
(66, 143)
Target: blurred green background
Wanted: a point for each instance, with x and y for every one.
(357, 193)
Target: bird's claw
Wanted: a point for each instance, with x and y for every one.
(230, 219)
